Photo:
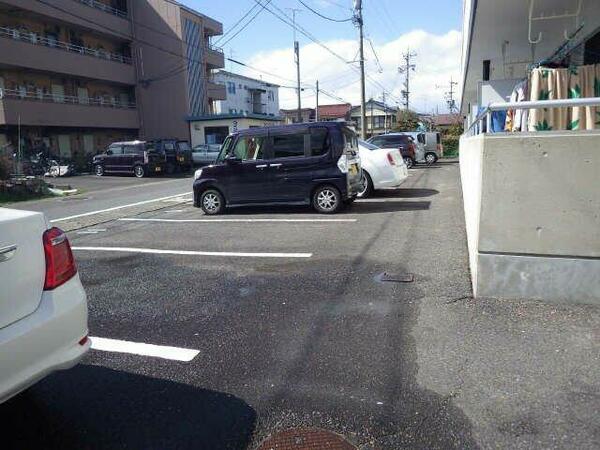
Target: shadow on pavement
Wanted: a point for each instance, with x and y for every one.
(405, 193)
(95, 407)
(360, 207)
(385, 206)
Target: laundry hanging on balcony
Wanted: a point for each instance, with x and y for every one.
(563, 83)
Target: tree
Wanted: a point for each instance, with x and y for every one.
(407, 121)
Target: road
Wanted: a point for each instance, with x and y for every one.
(270, 319)
(100, 193)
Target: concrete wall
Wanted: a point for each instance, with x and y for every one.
(532, 210)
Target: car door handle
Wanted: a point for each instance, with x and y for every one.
(277, 166)
(262, 166)
(7, 252)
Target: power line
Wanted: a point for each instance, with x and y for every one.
(406, 71)
(331, 19)
(246, 24)
(224, 35)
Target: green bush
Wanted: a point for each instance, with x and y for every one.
(451, 146)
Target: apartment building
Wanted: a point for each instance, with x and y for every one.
(78, 74)
(246, 95)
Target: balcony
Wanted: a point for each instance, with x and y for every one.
(25, 49)
(212, 27)
(106, 8)
(37, 109)
(216, 91)
(215, 59)
(88, 14)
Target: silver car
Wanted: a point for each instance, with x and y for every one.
(204, 154)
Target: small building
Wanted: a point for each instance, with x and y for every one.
(443, 122)
(214, 128)
(291, 115)
(381, 118)
(245, 95)
(336, 112)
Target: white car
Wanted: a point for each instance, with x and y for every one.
(381, 168)
(43, 307)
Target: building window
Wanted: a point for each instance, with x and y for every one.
(230, 87)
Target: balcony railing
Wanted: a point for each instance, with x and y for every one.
(483, 122)
(214, 48)
(105, 8)
(37, 95)
(36, 39)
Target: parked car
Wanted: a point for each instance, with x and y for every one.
(314, 164)
(43, 307)
(204, 154)
(429, 143)
(381, 168)
(137, 157)
(402, 142)
(178, 154)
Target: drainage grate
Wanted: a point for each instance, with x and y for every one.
(395, 277)
(306, 439)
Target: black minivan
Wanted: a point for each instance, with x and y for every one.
(310, 164)
(137, 157)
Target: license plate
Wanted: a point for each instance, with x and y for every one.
(157, 169)
(180, 158)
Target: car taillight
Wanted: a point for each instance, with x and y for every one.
(60, 264)
(145, 157)
(391, 159)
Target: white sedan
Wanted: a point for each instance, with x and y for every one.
(381, 168)
(43, 307)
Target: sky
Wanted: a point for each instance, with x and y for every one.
(429, 28)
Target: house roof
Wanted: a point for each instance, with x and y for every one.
(446, 119)
(244, 77)
(376, 104)
(295, 110)
(334, 111)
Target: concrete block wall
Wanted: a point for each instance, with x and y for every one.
(532, 210)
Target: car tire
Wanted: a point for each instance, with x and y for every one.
(431, 158)
(327, 200)
(409, 162)
(212, 202)
(366, 185)
(99, 170)
(139, 171)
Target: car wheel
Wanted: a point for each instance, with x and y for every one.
(431, 158)
(366, 185)
(409, 162)
(99, 170)
(139, 171)
(327, 200)
(212, 202)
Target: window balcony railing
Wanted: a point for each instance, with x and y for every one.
(483, 122)
(36, 39)
(40, 96)
(106, 8)
(214, 48)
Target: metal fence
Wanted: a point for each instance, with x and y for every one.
(104, 7)
(483, 122)
(36, 39)
(40, 96)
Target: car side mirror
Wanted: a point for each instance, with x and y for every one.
(230, 159)
(109, 152)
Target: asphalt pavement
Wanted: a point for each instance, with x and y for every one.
(360, 323)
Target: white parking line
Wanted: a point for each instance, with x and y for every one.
(115, 208)
(134, 219)
(192, 253)
(139, 348)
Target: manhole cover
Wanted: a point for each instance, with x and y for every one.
(306, 439)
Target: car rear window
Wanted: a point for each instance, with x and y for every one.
(350, 141)
(319, 141)
(184, 146)
(396, 140)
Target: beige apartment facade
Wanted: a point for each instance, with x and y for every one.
(78, 74)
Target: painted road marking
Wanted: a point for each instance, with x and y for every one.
(92, 231)
(192, 253)
(139, 348)
(115, 208)
(135, 219)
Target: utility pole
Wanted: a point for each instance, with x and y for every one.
(384, 114)
(317, 108)
(450, 97)
(297, 61)
(405, 69)
(358, 20)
